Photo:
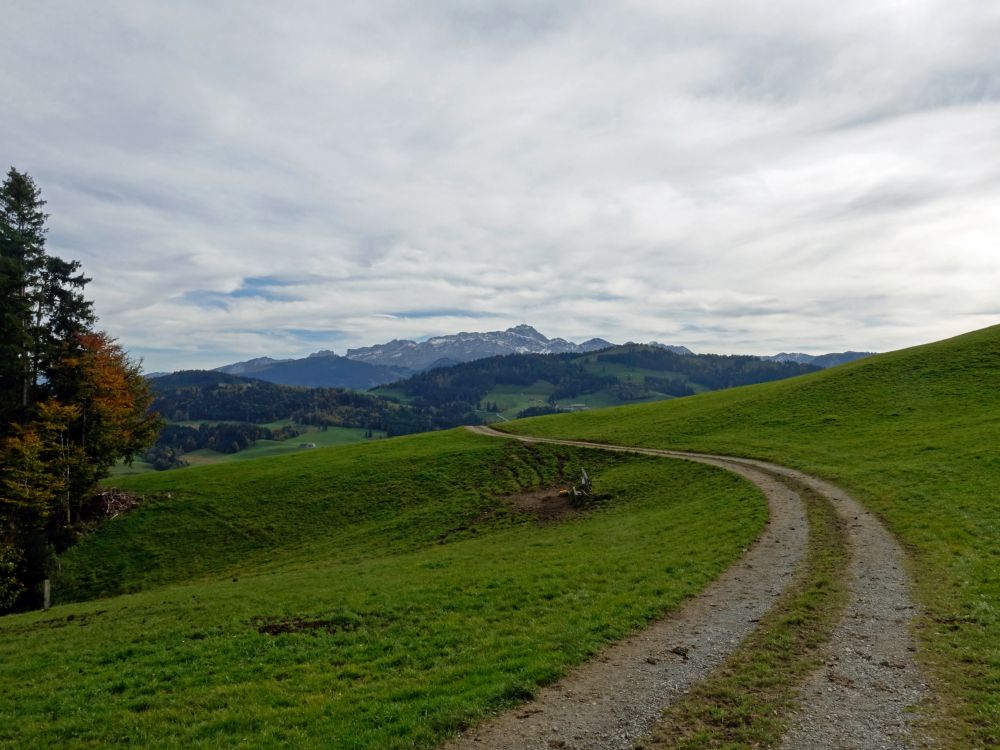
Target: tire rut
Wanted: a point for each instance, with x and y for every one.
(860, 699)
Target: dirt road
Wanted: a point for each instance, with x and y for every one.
(860, 698)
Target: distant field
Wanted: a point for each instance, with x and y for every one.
(121, 469)
(512, 399)
(379, 595)
(915, 435)
(604, 398)
(198, 422)
(637, 374)
(263, 448)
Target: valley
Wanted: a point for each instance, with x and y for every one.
(386, 594)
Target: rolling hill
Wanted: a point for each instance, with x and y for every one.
(320, 370)
(371, 596)
(913, 434)
(384, 595)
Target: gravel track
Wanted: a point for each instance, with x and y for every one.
(859, 700)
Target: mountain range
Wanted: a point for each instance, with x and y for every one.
(371, 366)
(467, 347)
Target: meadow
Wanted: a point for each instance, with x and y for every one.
(381, 595)
(914, 434)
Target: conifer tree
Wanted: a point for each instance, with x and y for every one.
(71, 401)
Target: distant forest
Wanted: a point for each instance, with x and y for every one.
(197, 395)
(175, 440)
(574, 375)
(714, 371)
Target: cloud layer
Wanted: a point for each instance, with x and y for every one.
(241, 178)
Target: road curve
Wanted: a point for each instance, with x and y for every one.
(860, 699)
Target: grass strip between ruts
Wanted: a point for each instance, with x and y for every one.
(748, 700)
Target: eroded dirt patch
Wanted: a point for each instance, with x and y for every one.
(550, 505)
(544, 506)
(282, 625)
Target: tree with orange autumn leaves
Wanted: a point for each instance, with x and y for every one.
(72, 402)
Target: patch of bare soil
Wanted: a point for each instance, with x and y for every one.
(79, 620)
(550, 505)
(282, 625)
(545, 506)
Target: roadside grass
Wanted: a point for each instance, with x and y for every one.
(913, 434)
(369, 596)
(747, 701)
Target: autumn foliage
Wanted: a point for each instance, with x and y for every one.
(72, 403)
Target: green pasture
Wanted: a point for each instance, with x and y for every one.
(315, 436)
(378, 595)
(915, 435)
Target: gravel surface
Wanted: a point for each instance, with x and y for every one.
(859, 700)
(615, 699)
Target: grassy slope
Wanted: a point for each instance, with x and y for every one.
(915, 435)
(444, 607)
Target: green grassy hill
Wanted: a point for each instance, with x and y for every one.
(379, 595)
(915, 434)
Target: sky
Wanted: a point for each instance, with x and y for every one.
(244, 178)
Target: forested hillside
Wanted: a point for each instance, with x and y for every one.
(196, 395)
(618, 375)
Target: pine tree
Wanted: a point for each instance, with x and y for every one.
(22, 261)
(71, 401)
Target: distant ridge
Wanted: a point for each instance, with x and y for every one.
(671, 348)
(319, 370)
(820, 360)
(250, 366)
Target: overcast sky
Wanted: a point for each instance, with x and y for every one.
(246, 178)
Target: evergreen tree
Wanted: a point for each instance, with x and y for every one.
(22, 260)
(71, 401)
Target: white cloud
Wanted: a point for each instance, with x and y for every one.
(732, 176)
